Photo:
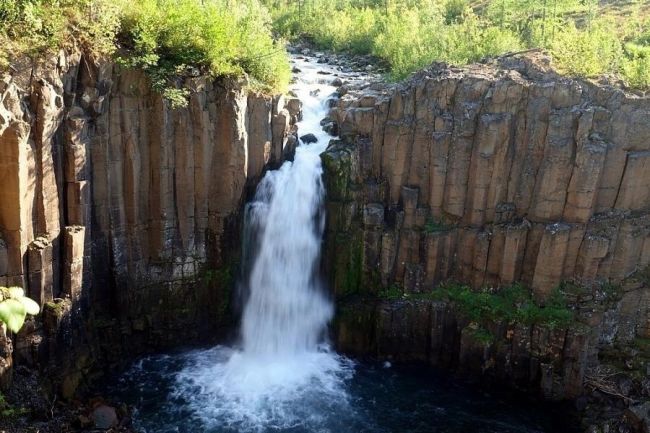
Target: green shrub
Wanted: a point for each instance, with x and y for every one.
(165, 37)
(162, 37)
(410, 34)
(454, 10)
(513, 304)
(588, 52)
(636, 66)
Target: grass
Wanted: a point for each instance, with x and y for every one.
(512, 304)
(168, 39)
(433, 225)
(586, 38)
(172, 39)
(9, 411)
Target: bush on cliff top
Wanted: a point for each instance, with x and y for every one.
(163, 37)
(585, 38)
(223, 37)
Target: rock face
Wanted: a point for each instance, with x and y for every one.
(123, 206)
(489, 175)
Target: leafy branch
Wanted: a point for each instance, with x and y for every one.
(15, 306)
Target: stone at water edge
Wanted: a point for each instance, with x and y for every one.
(308, 138)
(337, 82)
(639, 414)
(104, 417)
(332, 128)
(294, 106)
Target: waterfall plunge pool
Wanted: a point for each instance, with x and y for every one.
(182, 393)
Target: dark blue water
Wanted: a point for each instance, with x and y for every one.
(168, 397)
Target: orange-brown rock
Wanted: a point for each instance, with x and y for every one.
(482, 149)
(112, 198)
(490, 175)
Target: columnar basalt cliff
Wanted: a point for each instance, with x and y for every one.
(491, 175)
(120, 214)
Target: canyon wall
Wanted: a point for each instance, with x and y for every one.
(490, 175)
(120, 214)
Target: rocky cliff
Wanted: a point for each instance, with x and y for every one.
(491, 175)
(120, 214)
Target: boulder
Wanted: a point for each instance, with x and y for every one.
(104, 417)
(308, 138)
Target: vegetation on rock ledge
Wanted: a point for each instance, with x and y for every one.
(586, 38)
(511, 304)
(176, 39)
(166, 38)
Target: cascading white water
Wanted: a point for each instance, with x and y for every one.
(286, 311)
(283, 372)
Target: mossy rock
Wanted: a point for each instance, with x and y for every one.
(337, 168)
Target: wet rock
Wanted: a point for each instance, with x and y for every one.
(332, 128)
(294, 106)
(104, 417)
(373, 215)
(337, 82)
(308, 138)
(84, 422)
(332, 99)
(296, 70)
(289, 150)
(639, 416)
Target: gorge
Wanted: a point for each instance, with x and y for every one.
(130, 213)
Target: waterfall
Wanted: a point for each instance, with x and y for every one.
(287, 312)
(284, 373)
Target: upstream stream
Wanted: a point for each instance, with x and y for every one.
(283, 376)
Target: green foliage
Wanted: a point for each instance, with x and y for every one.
(168, 39)
(588, 53)
(31, 27)
(512, 304)
(224, 277)
(636, 64)
(454, 10)
(393, 292)
(14, 307)
(433, 226)
(481, 334)
(9, 411)
(410, 34)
